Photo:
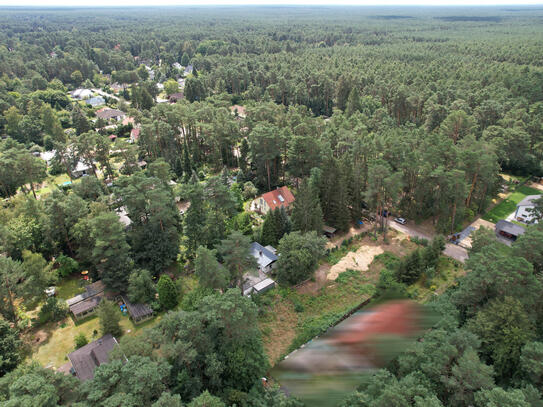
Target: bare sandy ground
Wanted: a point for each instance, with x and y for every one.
(359, 260)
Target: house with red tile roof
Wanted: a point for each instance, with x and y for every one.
(278, 198)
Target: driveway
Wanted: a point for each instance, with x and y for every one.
(451, 250)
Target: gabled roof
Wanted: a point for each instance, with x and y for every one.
(87, 358)
(109, 113)
(280, 197)
(263, 256)
(529, 200)
(92, 289)
(137, 310)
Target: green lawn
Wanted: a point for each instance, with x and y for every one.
(508, 205)
(69, 287)
(59, 338)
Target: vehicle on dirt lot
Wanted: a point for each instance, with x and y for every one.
(401, 221)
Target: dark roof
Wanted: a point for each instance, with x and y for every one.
(511, 228)
(137, 310)
(90, 290)
(263, 256)
(109, 113)
(174, 97)
(86, 305)
(87, 358)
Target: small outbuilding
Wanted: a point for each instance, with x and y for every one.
(509, 230)
(138, 312)
(328, 231)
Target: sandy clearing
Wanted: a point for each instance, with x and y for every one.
(359, 260)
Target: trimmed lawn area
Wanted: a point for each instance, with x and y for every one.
(56, 340)
(70, 286)
(508, 205)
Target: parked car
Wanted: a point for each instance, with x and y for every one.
(401, 221)
(51, 291)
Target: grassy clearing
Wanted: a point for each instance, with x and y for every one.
(289, 319)
(51, 343)
(448, 271)
(71, 286)
(508, 205)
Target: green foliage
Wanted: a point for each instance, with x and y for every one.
(10, 348)
(141, 288)
(167, 292)
(52, 310)
(211, 274)
(206, 400)
(226, 349)
(504, 328)
(139, 381)
(300, 254)
(66, 266)
(80, 340)
(109, 316)
(237, 258)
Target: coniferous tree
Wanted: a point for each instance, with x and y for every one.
(307, 211)
(167, 292)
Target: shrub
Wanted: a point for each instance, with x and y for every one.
(298, 307)
(109, 318)
(167, 292)
(52, 310)
(67, 266)
(80, 340)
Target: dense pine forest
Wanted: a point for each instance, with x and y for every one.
(135, 141)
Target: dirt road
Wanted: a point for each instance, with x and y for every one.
(451, 250)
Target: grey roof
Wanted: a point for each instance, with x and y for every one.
(263, 256)
(328, 229)
(86, 305)
(90, 290)
(509, 227)
(137, 310)
(529, 200)
(87, 358)
(109, 113)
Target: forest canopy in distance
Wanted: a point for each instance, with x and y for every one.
(360, 111)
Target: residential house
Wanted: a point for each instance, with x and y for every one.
(188, 70)
(123, 216)
(81, 169)
(524, 209)
(177, 65)
(278, 198)
(96, 101)
(86, 359)
(85, 304)
(81, 94)
(238, 111)
(110, 114)
(174, 97)
(265, 256)
(260, 282)
(508, 232)
(134, 134)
